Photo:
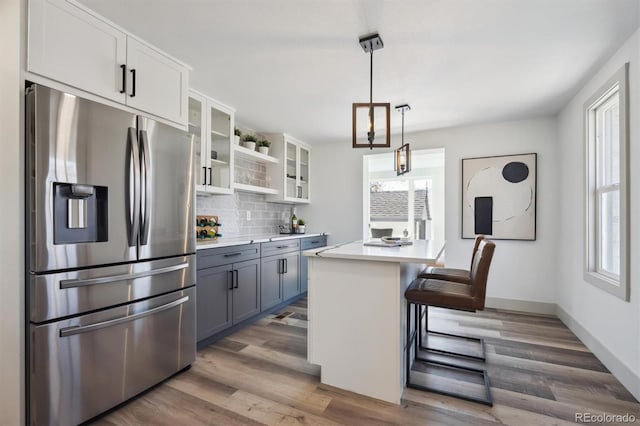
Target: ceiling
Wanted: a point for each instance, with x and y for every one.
(295, 66)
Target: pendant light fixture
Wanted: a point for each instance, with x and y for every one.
(402, 162)
(366, 115)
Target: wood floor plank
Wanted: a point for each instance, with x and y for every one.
(166, 406)
(499, 413)
(272, 413)
(540, 374)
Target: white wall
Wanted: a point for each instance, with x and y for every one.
(614, 325)
(522, 270)
(11, 217)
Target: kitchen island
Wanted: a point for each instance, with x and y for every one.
(357, 313)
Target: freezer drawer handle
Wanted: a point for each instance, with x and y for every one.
(113, 278)
(70, 331)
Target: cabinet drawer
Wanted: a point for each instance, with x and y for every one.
(279, 247)
(225, 255)
(313, 242)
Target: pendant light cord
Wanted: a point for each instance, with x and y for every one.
(371, 81)
(371, 136)
(402, 141)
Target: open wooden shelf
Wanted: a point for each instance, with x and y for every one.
(254, 155)
(254, 189)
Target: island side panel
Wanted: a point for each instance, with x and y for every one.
(356, 330)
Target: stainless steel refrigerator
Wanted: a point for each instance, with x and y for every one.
(110, 255)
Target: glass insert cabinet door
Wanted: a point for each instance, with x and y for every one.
(196, 128)
(221, 131)
(211, 123)
(303, 166)
(297, 167)
(291, 169)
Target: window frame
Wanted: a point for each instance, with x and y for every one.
(618, 286)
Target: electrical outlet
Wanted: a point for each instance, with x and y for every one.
(248, 214)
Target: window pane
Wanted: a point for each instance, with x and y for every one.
(609, 228)
(608, 139)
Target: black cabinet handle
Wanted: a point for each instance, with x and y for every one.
(210, 180)
(204, 175)
(231, 285)
(232, 254)
(124, 78)
(315, 242)
(133, 83)
(236, 272)
(286, 264)
(282, 247)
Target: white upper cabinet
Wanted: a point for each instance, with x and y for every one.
(69, 44)
(293, 174)
(156, 82)
(211, 124)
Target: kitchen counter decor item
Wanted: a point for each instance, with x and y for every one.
(263, 146)
(249, 142)
(207, 228)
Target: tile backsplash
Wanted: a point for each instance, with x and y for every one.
(232, 214)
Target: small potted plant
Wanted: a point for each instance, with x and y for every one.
(236, 135)
(301, 226)
(249, 142)
(263, 146)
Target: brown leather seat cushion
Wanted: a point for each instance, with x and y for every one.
(448, 274)
(446, 294)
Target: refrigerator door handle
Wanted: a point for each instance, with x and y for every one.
(146, 187)
(74, 283)
(70, 331)
(133, 188)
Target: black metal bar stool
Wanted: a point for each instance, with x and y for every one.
(451, 295)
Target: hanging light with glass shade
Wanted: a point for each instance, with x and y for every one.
(402, 162)
(365, 116)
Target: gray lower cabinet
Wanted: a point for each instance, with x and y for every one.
(306, 244)
(227, 294)
(280, 279)
(290, 277)
(235, 283)
(246, 290)
(279, 272)
(214, 300)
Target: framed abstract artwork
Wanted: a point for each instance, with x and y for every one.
(499, 197)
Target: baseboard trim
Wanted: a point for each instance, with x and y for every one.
(627, 377)
(521, 305)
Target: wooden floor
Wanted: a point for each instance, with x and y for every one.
(540, 374)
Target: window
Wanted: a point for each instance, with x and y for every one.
(410, 205)
(606, 114)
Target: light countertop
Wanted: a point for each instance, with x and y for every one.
(227, 242)
(420, 251)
